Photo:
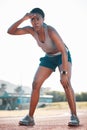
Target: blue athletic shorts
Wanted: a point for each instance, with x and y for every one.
(53, 61)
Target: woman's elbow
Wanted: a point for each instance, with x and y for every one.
(10, 32)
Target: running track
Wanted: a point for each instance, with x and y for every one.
(44, 120)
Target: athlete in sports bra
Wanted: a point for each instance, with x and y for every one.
(56, 55)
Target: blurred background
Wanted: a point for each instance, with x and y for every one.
(19, 55)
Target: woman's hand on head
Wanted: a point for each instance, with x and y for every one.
(28, 16)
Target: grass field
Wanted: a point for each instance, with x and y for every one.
(64, 105)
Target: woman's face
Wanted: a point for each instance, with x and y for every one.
(37, 21)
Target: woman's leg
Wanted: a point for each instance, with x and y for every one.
(41, 75)
(69, 91)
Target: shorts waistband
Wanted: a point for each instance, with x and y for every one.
(52, 55)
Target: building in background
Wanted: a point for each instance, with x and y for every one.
(18, 97)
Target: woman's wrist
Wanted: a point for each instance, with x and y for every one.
(64, 72)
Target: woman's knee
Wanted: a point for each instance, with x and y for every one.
(36, 85)
(66, 86)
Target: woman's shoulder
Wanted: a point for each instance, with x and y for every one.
(51, 30)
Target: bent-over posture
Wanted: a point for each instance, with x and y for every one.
(57, 54)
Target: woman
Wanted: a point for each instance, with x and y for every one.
(56, 55)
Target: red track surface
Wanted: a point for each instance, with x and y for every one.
(45, 120)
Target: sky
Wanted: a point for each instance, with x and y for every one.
(19, 55)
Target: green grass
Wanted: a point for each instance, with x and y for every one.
(64, 105)
(81, 105)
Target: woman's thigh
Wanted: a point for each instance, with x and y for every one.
(42, 74)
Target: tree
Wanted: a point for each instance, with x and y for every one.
(57, 96)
